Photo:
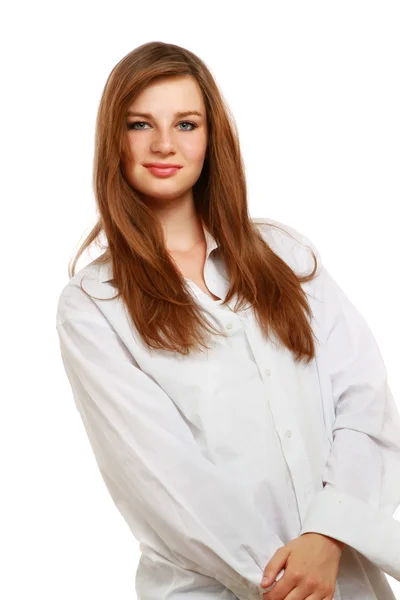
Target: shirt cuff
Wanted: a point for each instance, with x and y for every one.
(369, 530)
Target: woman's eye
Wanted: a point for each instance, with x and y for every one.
(189, 123)
(133, 125)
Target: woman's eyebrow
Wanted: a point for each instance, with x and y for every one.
(185, 113)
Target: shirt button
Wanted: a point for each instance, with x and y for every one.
(267, 372)
(229, 326)
(288, 433)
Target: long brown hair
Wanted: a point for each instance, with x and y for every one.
(164, 313)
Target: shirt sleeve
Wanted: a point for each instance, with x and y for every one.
(361, 481)
(153, 468)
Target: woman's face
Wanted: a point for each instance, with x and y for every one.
(163, 136)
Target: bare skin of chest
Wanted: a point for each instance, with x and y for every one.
(191, 265)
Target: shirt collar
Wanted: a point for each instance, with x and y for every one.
(105, 272)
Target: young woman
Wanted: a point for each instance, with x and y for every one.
(236, 401)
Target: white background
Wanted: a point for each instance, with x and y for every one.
(314, 88)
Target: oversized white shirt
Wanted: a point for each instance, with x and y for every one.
(219, 458)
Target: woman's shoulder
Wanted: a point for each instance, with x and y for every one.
(74, 298)
(290, 244)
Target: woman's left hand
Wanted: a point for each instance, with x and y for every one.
(311, 564)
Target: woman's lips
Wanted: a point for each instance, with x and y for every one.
(164, 171)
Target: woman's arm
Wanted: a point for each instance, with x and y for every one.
(152, 466)
(362, 475)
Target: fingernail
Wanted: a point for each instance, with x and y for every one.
(265, 580)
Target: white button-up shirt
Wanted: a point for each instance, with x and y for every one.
(217, 459)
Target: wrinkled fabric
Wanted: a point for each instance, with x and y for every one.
(217, 459)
